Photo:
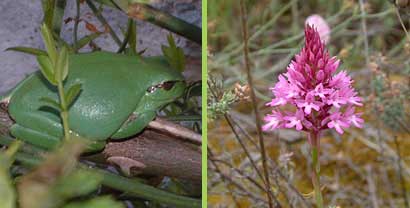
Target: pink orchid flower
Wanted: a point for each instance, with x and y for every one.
(322, 98)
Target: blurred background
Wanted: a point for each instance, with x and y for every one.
(367, 167)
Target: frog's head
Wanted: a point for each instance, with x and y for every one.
(164, 86)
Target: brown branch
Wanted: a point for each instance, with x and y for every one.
(155, 153)
(148, 13)
(151, 153)
(177, 130)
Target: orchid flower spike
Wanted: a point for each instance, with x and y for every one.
(322, 99)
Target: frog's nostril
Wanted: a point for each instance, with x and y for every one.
(151, 89)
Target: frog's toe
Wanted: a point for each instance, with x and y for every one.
(34, 137)
(41, 123)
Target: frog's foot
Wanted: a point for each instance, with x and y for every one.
(134, 124)
(38, 129)
(34, 137)
(44, 132)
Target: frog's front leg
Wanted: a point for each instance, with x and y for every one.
(135, 123)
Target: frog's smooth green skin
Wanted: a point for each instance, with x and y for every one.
(117, 99)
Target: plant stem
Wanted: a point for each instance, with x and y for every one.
(136, 188)
(364, 29)
(76, 22)
(13, 148)
(254, 103)
(147, 13)
(103, 21)
(64, 110)
(314, 142)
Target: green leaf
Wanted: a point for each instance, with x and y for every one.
(37, 188)
(46, 68)
(78, 183)
(49, 43)
(7, 189)
(8, 196)
(72, 93)
(32, 51)
(51, 103)
(85, 40)
(100, 202)
(62, 64)
(174, 55)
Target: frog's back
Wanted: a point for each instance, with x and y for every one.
(109, 93)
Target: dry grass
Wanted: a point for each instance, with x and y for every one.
(366, 167)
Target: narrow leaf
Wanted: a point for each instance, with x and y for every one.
(62, 65)
(46, 68)
(7, 190)
(73, 93)
(171, 41)
(49, 43)
(174, 55)
(32, 51)
(85, 40)
(8, 195)
(51, 103)
(58, 16)
(48, 10)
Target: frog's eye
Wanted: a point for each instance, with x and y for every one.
(165, 85)
(168, 85)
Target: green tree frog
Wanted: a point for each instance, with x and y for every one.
(120, 95)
